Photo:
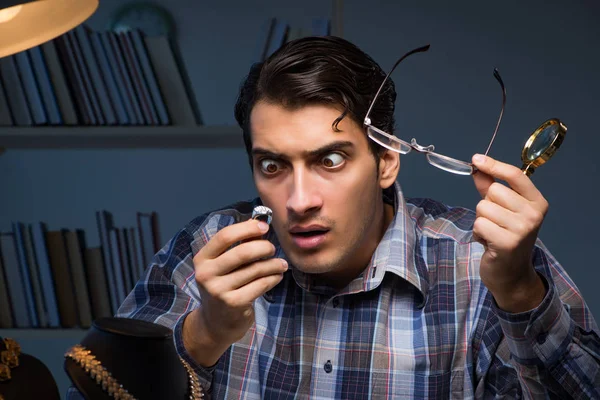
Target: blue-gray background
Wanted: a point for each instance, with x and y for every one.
(547, 53)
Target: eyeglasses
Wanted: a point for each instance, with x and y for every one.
(400, 146)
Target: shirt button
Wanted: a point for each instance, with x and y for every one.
(336, 302)
(541, 339)
(328, 367)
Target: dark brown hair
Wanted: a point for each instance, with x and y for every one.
(318, 70)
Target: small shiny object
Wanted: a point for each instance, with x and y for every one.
(94, 367)
(262, 213)
(4, 373)
(12, 345)
(9, 358)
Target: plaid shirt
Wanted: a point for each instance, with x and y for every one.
(417, 323)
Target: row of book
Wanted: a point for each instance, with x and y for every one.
(53, 279)
(87, 77)
(275, 32)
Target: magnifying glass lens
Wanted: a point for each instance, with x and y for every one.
(542, 144)
(542, 141)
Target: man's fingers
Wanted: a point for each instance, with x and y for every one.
(252, 272)
(492, 234)
(506, 197)
(483, 182)
(508, 173)
(497, 214)
(230, 235)
(243, 254)
(253, 290)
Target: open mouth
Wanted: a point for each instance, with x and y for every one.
(308, 234)
(312, 239)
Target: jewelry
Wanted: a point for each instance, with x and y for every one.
(12, 345)
(4, 373)
(9, 359)
(103, 377)
(262, 213)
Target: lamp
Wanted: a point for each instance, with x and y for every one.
(27, 23)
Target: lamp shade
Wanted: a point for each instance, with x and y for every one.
(25, 23)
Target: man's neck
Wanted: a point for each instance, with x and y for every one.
(339, 281)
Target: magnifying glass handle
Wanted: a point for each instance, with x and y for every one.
(528, 169)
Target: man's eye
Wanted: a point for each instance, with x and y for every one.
(332, 160)
(269, 166)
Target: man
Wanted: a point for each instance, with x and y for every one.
(355, 291)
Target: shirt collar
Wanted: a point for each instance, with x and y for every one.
(397, 251)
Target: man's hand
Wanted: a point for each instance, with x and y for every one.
(507, 224)
(229, 280)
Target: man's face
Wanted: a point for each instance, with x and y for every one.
(323, 187)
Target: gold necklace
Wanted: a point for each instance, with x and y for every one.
(9, 358)
(100, 374)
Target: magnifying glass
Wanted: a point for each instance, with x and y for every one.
(542, 144)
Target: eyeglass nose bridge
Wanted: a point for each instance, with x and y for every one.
(421, 149)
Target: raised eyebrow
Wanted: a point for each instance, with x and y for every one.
(267, 153)
(328, 148)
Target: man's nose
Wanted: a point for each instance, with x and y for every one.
(304, 194)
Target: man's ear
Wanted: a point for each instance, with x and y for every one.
(389, 166)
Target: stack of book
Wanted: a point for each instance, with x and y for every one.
(104, 78)
(52, 279)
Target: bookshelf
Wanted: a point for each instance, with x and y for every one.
(90, 89)
(110, 137)
(49, 344)
(48, 333)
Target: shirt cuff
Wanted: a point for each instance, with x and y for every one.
(204, 374)
(541, 335)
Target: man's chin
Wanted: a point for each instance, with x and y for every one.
(315, 260)
(312, 263)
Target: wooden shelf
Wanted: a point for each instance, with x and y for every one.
(115, 137)
(43, 333)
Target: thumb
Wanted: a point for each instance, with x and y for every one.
(482, 182)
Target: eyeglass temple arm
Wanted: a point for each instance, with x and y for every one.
(499, 79)
(417, 50)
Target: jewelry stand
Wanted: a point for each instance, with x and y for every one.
(131, 358)
(25, 377)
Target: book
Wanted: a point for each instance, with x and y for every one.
(61, 274)
(57, 76)
(14, 281)
(75, 243)
(15, 93)
(169, 77)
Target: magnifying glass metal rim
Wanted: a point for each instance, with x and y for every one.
(530, 165)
